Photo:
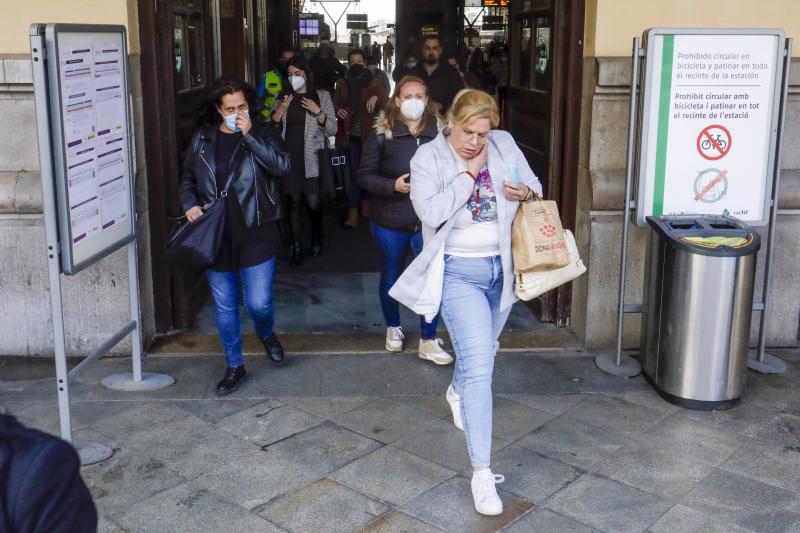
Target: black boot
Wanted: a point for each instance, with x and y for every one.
(274, 349)
(316, 246)
(316, 231)
(234, 376)
(297, 255)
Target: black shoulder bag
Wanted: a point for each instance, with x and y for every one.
(194, 245)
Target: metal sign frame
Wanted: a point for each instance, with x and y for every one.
(57, 120)
(623, 365)
(650, 90)
(48, 159)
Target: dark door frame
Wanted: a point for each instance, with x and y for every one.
(160, 144)
(561, 182)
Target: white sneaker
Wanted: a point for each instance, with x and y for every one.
(394, 339)
(431, 350)
(487, 502)
(455, 405)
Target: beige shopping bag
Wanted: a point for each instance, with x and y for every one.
(537, 238)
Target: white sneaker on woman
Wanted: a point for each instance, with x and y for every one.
(394, 339)
(454, 400)
(484, 492)
(431, 350)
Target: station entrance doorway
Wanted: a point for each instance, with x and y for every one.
(195, 41)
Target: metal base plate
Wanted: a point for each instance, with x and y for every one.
(92, 452)
(124, 382)
(628, 367)
(770, 365)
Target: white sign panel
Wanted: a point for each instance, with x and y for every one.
(91, 138)
(709, 123)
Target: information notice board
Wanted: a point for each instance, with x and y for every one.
(91, 136)
(710, 102)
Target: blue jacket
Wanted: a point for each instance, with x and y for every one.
(41, 489)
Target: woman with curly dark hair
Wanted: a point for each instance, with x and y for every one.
(235, 157)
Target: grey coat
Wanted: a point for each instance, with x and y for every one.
(315, 134)
(439, 189)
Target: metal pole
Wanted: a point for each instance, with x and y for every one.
(628, 186)
(631, 367)
(38, 56)
(764, 362)
(136, 334)
(137, 380)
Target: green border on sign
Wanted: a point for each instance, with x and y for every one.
(663, 123)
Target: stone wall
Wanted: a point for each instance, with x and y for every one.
(601, 190)
(95, 300)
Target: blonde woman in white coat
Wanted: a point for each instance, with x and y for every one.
(466, 186)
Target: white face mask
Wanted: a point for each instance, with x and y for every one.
(298, 82)
(412, 108)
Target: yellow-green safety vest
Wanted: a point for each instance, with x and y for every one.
(272, 86)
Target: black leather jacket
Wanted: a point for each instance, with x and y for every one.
(258, 161)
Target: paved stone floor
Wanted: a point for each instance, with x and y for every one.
(365, 443)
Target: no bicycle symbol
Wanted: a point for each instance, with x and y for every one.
(714, 142)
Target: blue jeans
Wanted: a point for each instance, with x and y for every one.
(394, 247)
(471, 311)
(257, 287)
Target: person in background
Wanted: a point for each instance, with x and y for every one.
(470, 80)
(499, 64)
(375, 51)
(407, 66)
(235, 146)
(272, 82)
(405, 125)
(307, 116)
(388, 55)
(443, 80)
(480, 69)
(373, 65)
(359, 96)
(41, 489)
(466, 186)
(326, 69)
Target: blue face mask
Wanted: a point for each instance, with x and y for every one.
(411, 65)
(230, 122)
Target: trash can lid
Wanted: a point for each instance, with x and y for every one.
(713, 235)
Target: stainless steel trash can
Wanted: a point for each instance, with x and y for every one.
(698, 299)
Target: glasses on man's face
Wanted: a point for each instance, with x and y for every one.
(474, 137)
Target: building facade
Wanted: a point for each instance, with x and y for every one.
(570, 120)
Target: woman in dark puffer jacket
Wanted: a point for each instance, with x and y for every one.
(385, 163)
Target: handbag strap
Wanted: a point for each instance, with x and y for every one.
(232, 171)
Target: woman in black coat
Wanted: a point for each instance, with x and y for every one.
(385, 164)
(235, 147)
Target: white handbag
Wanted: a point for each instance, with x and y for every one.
(529, 285)
(430, 298)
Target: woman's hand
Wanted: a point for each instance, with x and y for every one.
(516, 192)
(343, 114)
(401, 186)
(243, 122)
(475, 165)
(194, 213)
(282, 108)
(371, 104)
(310, 105)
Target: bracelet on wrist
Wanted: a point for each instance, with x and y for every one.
(528, 195)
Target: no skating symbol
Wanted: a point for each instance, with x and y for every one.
(714, 142)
